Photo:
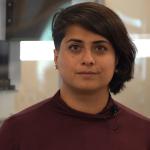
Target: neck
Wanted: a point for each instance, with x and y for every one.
(87, 102)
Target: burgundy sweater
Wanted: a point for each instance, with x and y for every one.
(52, 125)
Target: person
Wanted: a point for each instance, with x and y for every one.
(94, 57)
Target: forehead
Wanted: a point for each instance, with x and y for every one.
(81, 33)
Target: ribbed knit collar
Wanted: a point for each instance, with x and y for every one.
(109, 111)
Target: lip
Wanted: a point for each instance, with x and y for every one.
(89, 72)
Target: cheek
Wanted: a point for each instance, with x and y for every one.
(109, 66)
(64, 63)
(61, 64)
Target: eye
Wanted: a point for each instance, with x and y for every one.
(100, 48)
(74, 47)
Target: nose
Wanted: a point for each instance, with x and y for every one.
(87, 58)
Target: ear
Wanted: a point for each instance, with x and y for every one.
(56, 56)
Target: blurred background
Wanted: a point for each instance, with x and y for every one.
(27, 72)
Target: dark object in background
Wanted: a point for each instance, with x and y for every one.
(27, 19)
(4, 67)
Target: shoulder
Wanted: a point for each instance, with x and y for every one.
(30, 114)
(35, 114)
(34, 109)
(25, 123)
(132, 126)
(132, 117)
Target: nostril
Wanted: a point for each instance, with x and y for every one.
(87, 63)
(87, 58)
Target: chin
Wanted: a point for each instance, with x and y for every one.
(87, 89)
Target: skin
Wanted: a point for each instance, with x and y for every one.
(86, 63)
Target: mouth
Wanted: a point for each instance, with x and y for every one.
(87, 74)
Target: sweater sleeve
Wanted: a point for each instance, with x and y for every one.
(7, 136)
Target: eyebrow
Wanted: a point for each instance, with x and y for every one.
(95, 42)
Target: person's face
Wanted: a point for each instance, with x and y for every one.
(86, 61)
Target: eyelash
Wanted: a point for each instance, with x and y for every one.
(75, 47)
(97, 48)
(100, 48)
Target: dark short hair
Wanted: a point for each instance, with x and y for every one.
(103, 21)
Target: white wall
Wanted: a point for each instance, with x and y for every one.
(133, 12)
